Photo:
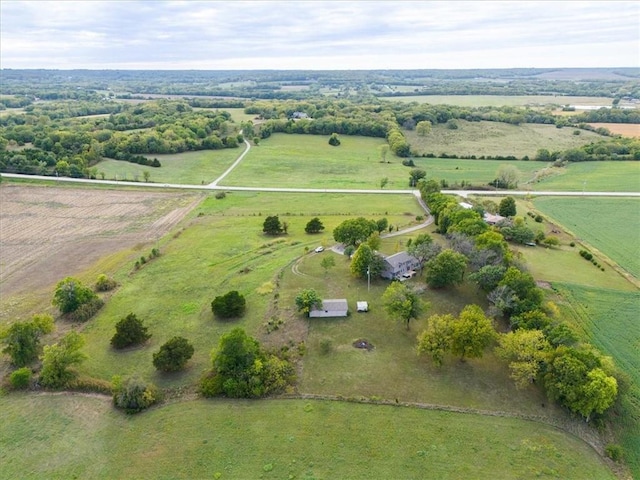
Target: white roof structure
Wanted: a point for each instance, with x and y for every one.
(362, 306)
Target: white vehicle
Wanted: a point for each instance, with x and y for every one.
(319, 249)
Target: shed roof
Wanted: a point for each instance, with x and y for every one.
(334, 305)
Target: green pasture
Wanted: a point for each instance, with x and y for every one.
(478, 172)
(496, 138)
(563, 263)
(593, 177)
(609, 319)
(308, 161)
(502, 100)
(191, 168)
(220, 247)
(238, 115)
(81, 437)
(610, 225)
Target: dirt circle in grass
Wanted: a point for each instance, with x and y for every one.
(362, 343)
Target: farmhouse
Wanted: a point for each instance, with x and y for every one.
(398, 264)
(492, 219)
(331, 308)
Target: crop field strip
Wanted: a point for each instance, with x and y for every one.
(611, 225)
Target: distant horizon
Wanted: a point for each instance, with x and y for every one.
(312, 69)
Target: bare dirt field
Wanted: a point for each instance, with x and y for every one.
(47, 233)
(624, 129)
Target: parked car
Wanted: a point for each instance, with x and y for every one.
(319, 249)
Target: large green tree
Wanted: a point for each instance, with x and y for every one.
(423, 128)
(242, 369)
(307, 299)
(471, 333)
(402, 303)
(58, 358)
(22, 339)
(435, 340)
(423, 249)
(415, 175)
(70, 294)
(354, 231)
(366, 263)
(526, 352)
(576, 378)
(272, 225)
(314, 226)
(446, 269)
(507, 207)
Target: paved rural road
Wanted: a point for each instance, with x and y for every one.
(462, 193)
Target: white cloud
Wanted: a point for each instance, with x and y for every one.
(318, 34)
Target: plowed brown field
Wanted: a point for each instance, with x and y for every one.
(624, 129)
(47, 233)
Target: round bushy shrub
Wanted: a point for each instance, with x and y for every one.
(134, 395)
(129, 331)
(20, 378)
(229, 305)
(173, 355)
(104, 283)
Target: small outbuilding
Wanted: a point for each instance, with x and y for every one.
(337, 307)
(362, 306)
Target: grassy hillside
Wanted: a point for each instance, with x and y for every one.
(308, 161)
(221, 248)
(494, 138)
(478, 172)
(191, 168)
(79, 437)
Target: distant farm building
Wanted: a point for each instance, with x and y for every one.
(466, 205)
(298, 115)
(331, 308)
(492, 219)
(399, 264)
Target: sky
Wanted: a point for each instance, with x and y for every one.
(318, 35)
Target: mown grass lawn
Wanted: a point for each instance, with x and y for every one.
(219, 248)
(495, 138)
(610, 225)
(190, 168)
(392, 370)
(80, 437)
(594, 177)
(308, 161)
